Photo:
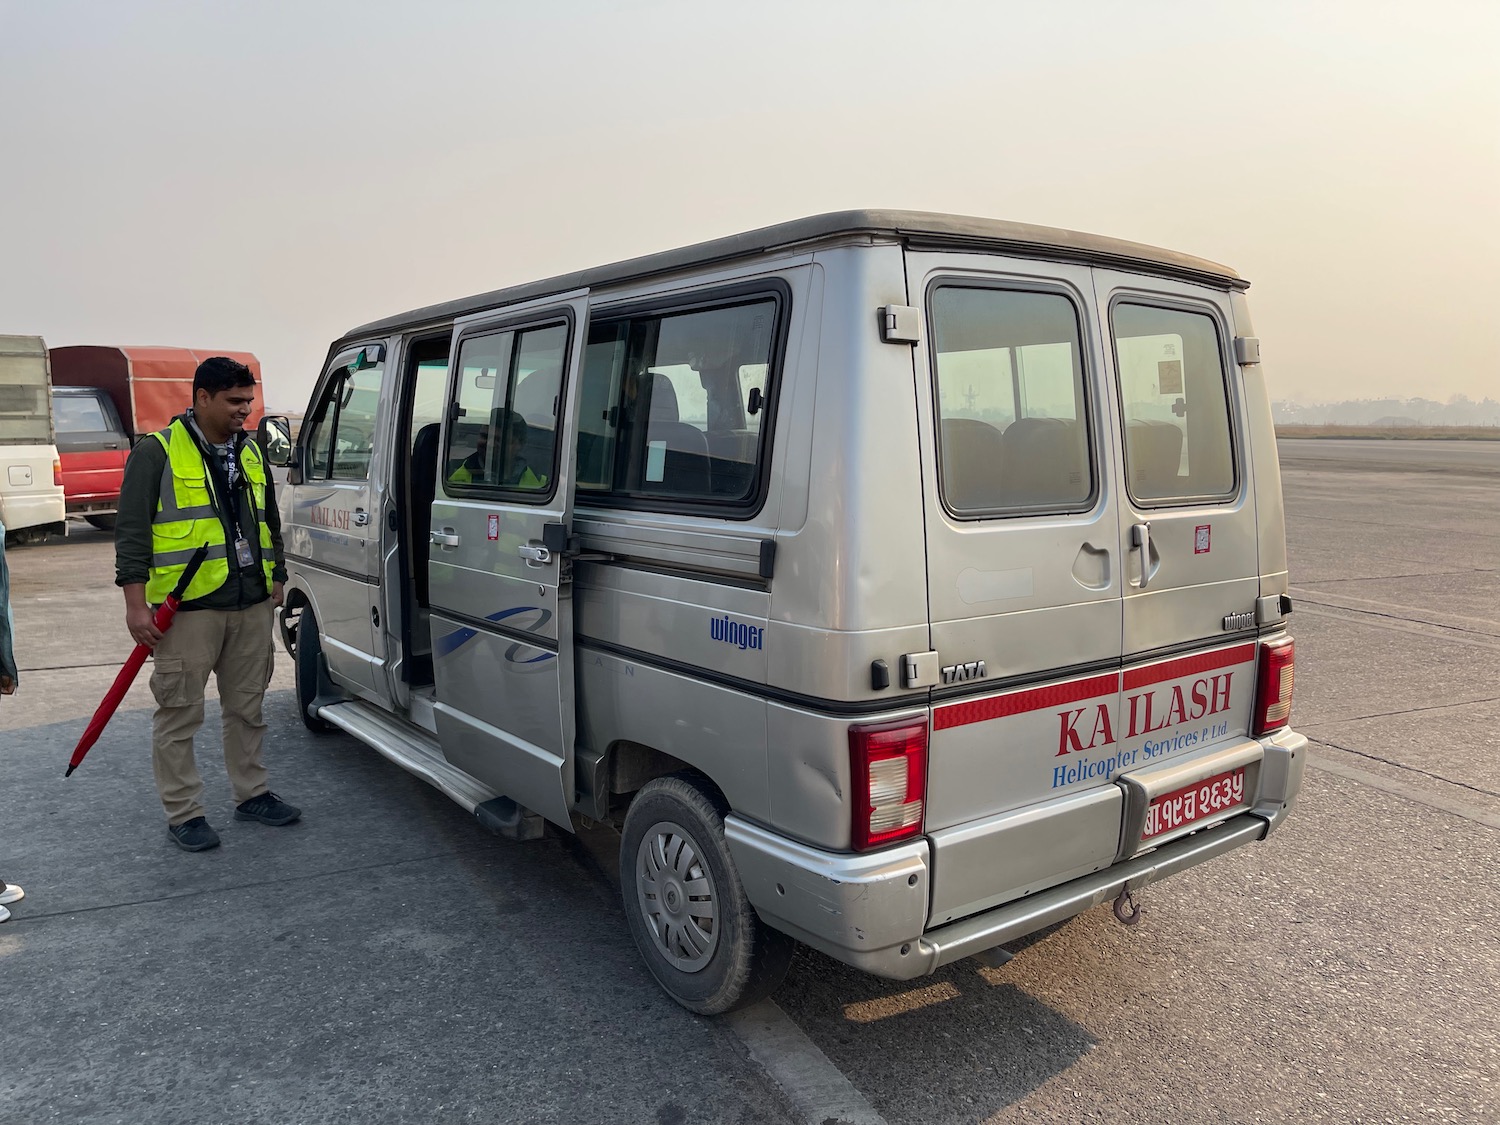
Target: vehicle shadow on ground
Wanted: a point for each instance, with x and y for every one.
(413, 961)
(965, 1019)
(79, 532)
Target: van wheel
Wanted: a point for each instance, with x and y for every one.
(685, 905)
(307, 656)
(27, 536)
(103, 523)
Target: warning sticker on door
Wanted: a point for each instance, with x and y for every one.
(494, 533)
(1200, 538)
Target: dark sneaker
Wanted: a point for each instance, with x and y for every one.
(194, 835)
(268, 809)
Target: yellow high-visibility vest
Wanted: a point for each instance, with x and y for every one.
(186, 518)
(529, 481)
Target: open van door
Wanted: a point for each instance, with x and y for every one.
(500, 589)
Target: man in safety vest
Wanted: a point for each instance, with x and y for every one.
(516, 473)
(202, 482)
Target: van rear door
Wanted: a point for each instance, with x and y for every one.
(1187, 514)
(1023, 560)
(500, 587)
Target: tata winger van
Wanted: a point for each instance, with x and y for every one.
(900, 584)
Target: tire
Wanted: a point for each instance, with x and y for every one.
(675, 828)
(103, 523)
(306, 659)
(27, 537)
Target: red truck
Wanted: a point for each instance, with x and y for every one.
(104, 399)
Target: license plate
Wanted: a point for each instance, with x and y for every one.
(1194, 802)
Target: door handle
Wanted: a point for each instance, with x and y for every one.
(1140, 539)
(535, 556)
(361, 517)
(444, 538)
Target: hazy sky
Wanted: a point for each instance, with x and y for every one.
(263, 176)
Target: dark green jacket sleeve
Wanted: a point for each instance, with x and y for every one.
(139, 493)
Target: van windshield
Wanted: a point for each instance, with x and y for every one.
(24, 415)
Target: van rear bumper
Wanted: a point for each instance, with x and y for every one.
(870, 910)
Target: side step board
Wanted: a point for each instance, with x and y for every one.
(419, 754)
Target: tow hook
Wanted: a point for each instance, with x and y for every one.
(1127, 910)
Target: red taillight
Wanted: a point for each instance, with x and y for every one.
(889, 767)
(57, 472)
(1273, 689)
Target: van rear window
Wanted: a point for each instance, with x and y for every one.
(1013, 429)
(1173, 397)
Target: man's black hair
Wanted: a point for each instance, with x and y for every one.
(218, 373)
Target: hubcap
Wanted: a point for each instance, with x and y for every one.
(676, 894)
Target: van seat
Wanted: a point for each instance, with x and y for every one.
(1153, 454)
(536, 399)
(424, 466)
(734, 454)
(1044, 462)
(972, 458)
(685, 470)
(540, 442)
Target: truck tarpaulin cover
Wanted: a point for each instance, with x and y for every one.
(149, 386)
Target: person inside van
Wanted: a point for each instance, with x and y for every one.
(517, 472)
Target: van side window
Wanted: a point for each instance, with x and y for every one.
(1013, 424)
(341, 436)
(1174, 400)
(503, 436)
(673, 405)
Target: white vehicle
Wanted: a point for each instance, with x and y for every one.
(900, 584)
(32, 504)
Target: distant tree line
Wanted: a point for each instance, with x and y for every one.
(1460, 410)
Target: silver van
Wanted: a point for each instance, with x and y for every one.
(900, 584)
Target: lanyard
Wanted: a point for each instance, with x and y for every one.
(229, 508)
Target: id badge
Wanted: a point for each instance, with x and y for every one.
(242, 552)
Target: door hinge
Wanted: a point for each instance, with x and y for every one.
(900, 324)
(1246, 350)
(1272, 608)
(920, 669)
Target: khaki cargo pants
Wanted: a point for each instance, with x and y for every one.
(236, 646)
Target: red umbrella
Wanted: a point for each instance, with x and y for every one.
(163, 621)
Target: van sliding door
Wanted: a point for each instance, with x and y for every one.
(500, 588)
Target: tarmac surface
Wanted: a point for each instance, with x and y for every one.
(387, 960)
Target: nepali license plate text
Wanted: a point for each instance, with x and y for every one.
(1194, 802)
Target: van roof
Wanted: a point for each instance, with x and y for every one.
(915, 227)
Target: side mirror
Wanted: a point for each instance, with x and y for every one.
(274, 436)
